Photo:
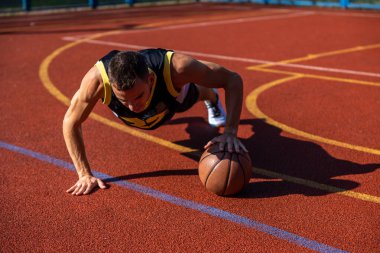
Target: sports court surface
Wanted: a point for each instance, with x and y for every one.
(310, 121)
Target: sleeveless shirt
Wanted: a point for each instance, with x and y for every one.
(161, 105)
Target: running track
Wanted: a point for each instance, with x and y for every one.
(310, 121)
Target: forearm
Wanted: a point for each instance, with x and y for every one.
(75, 146)
(234, 101)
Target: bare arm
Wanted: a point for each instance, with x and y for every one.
(186, 69)
(82, 103)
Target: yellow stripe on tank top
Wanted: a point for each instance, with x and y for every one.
(167, 75)
(106, 82)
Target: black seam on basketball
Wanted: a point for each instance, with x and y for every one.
(228, 175)
(211, 154)
(246, 158)
(241, 166)
(213, 168)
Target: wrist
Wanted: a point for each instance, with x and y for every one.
(230, 130)
(84, 174)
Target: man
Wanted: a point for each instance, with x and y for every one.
(145, 89)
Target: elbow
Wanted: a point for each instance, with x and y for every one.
(235, 82)
(68, 124)
(237, 77)
(66, 120)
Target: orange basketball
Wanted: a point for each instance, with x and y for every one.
(224, 173)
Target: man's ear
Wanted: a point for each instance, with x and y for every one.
(151, 79)
(113, 86)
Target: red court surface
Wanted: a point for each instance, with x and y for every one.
(310, 121)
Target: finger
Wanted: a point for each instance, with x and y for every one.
(77, 187)
(221, 146)
(243, 147)
(209, 144)
(71, 189)
(229, 144)
(237, 146)
(81, 189)
(101, 184)
(89, 189)
(230, 147)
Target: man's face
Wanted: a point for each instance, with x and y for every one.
(136, 97)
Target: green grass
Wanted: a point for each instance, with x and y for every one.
(366, 1)
(51, 4)
(12, 4)
(57, 3)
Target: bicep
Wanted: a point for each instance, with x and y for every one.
(84, 100)
(78, 110)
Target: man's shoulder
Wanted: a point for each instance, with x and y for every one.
(180, 62)
(92, 84)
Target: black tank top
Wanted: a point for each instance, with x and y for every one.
(162, 103)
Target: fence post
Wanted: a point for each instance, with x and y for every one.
(344, 3)
(130, 2)
(93, 3)
(26, 5)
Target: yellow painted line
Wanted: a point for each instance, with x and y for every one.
(323, 187)
(316, 56)
(144, 136)
(48, 84)
(342, 51)
(44, 67)
(251, 103)
(328, 78)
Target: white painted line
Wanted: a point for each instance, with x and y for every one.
(362, 15)
(215, 22)
(188, 204)
(234, 21)
(324, 69)
(232, 58)
(137, 47)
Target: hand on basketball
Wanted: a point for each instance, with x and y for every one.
(85, 184)
(231, 140)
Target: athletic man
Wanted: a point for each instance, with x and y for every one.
(145, 89)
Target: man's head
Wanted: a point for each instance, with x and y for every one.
(130, 79)
(125, 68)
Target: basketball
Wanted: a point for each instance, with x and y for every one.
(224, 173)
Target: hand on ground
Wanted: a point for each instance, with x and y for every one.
(85, 185)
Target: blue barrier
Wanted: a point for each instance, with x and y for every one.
(345, 4)
(93, 3)
(27, 5)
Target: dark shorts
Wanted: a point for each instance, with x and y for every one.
(188, 97)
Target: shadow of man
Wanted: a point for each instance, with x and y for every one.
(272, 152)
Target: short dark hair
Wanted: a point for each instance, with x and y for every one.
(125, 67)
